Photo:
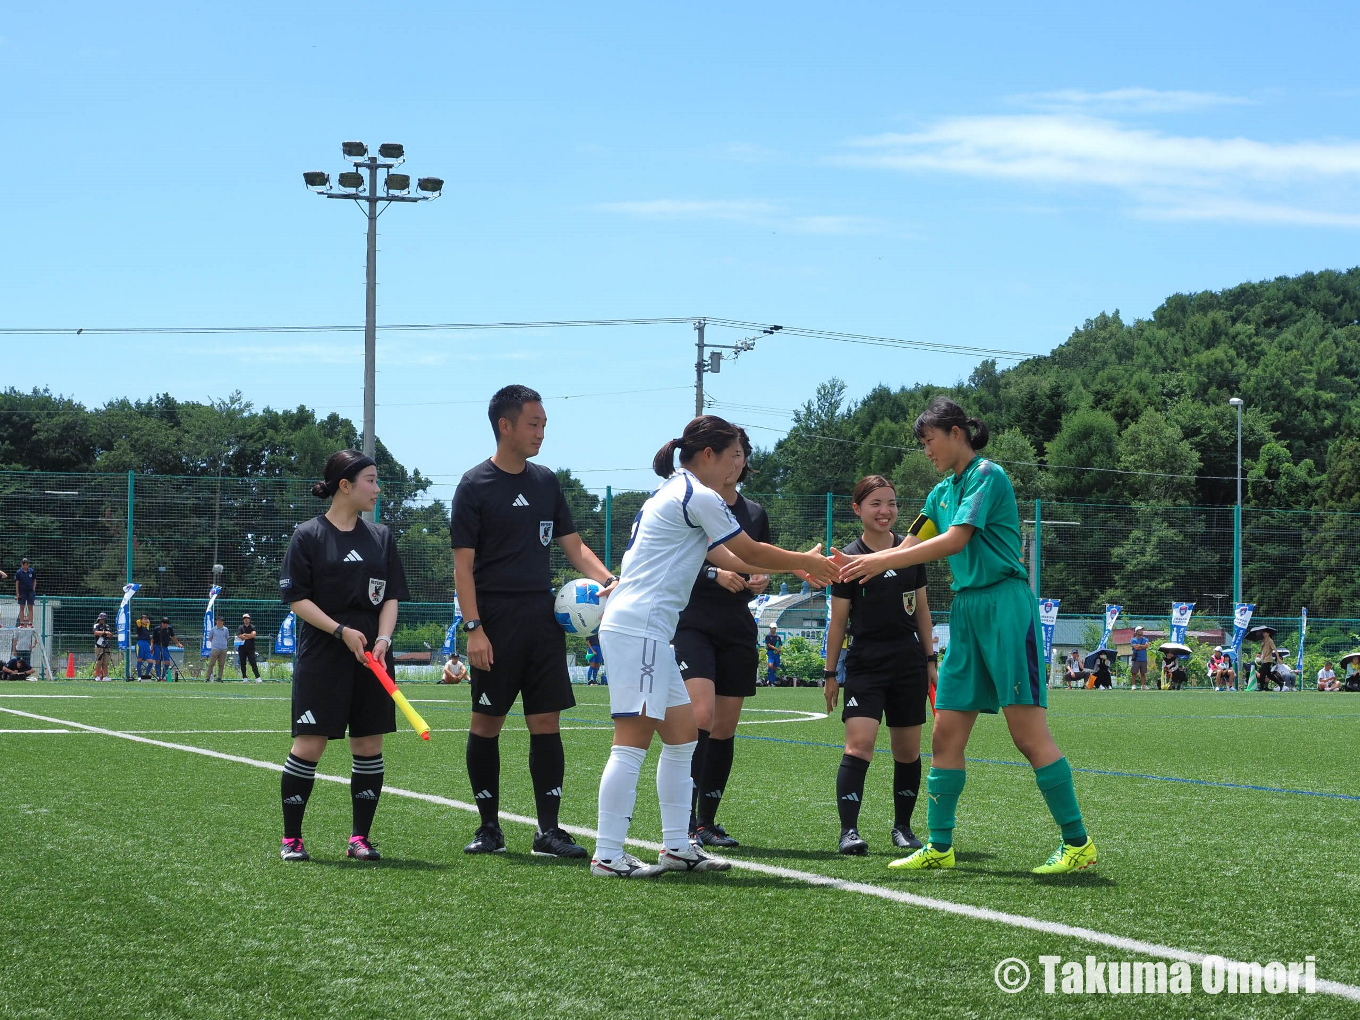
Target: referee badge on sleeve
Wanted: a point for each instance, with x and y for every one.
(376, 587)
(909, 602)
(545, 530)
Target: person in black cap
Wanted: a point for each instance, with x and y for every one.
(161, 639)
(103, 642)
(245, 652)
(343, 577)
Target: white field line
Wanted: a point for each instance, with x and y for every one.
(1119, 942)
(35, 730)
(51, 696)
(88, 732)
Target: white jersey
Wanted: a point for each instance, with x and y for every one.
(673, 532)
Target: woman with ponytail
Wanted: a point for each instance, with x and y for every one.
(683, 521)
(343, 578)
(992, 663)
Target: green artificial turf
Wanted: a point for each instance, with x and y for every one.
(142, 881)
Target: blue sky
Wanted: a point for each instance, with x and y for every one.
(967, 174)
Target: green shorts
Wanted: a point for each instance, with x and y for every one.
(993, 659)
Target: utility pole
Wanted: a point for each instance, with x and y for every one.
(396, 188)
(713, 362)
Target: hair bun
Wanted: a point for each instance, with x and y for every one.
(320, 490)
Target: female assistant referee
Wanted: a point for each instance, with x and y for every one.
(993, 659)
(344, 578)
(715, 645)
(676, 527)
(887, 669)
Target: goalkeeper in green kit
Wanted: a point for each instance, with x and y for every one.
(994, 661)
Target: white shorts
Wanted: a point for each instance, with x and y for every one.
(644, 678)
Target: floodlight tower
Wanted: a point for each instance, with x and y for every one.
(396, 188)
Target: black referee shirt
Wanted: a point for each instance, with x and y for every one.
(509, 521)
(348, 574)
(883, 608)
(708, 600)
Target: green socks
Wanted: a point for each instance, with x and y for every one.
(943, 787)
(1055, 783)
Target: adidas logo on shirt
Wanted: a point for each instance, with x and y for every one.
(484, 795)
(294, 799)
(554, 792)
(366, 795)
(852, 703)
(354, 557)
(484, 700)
(520, 500)
(851, 796)
(306, 717)
(890, 573)
(684, 666)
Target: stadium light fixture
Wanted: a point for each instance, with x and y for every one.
(396, 188)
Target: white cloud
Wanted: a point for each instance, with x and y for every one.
(766, 215)
(1130, 100)
(1166, 175)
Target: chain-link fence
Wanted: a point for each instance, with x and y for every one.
(88, 534)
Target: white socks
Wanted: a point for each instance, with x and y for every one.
(618, 793)
(673, 788)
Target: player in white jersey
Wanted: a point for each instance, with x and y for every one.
(674, 531)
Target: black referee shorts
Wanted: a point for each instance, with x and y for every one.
(723, 653)
(333, 692)
(529, 649)
(886, 688)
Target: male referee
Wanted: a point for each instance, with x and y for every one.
(506, 513)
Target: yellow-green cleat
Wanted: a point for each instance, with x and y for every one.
(1069, 858)
(926, 857)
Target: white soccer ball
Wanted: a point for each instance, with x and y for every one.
(578, 607)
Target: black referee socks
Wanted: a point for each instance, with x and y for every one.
(713, 780)
(906, 786)
(547, 770)
(850, 789)
(696, 775)
(484, 770)
(299, 776)
(365, 787)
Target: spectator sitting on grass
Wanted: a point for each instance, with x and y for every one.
(1104, 679)
(454, 670)
(16, 669)
(1326, 679)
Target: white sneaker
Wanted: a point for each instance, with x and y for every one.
(625, 866)
(691, 859)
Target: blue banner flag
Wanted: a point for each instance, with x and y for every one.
(213, 592)
(1303, 632)
(1180, 619)
(1111, 615)
(286, 642)
(125, 614)
(451, 635)
(1048, 619)
(1241, 621)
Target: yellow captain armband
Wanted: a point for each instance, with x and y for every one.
(923, 528)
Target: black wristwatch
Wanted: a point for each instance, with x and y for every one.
(711, 573)
(470, 625)
(611, 579)
(339, 632)
(933, 657)
(830, 674)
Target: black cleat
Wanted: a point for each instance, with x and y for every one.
(555, 843)
(713, 834)
(852, 845)
(362, 850)
(489, 840)
(293, 850)
(904, 839)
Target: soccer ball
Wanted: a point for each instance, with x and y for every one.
(578, 608)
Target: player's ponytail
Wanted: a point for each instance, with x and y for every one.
(343, 465)
(706, 432)
(943, 414)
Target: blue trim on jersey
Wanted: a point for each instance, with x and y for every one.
(727, 538)
(684, 503)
